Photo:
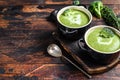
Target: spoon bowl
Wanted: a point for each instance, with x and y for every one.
(54, 50)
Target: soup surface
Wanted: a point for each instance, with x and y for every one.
(74, 18)
(106, 42)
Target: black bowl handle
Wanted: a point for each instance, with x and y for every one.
(67, 31)
(83, 46)
(53, 16)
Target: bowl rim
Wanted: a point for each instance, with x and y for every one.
(82, 8)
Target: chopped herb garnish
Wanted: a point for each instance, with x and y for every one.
(106, 33)
(66, 12)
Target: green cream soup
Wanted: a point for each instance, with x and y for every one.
(73, 18)
(103, 41)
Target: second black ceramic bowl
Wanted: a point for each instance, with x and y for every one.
(103, 57)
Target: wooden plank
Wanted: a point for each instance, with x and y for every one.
(111, 1)
(52, 71)
(86, 1)
(31, 2)
(20, 2)
(30, 57)
(48, 2)
(104, 1)
(6, 59)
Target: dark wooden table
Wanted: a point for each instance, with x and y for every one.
(25, 34)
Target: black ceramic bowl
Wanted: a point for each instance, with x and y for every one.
(100, 56)
(72, 33)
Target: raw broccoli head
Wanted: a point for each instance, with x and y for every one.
(95, 8)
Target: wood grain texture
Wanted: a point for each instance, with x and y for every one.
(20, 2)
(25, 34)
(32, 2)
(111, 2)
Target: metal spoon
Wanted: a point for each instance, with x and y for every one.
(55, 51)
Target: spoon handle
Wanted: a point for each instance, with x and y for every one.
(89, 76)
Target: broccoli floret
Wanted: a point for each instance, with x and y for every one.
(76, 2)
(106, 33)
(95, 8)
